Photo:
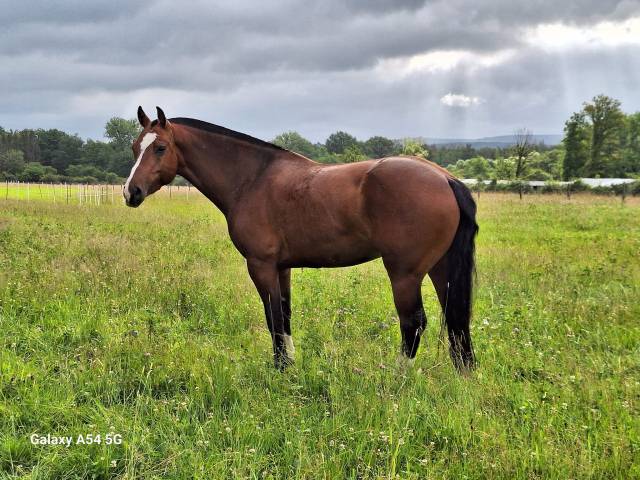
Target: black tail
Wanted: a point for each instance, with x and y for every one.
(460, 276)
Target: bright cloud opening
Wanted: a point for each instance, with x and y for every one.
(558, 36)
(459, 100)
(442, 61)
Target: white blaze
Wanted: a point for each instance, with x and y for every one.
(144, 143)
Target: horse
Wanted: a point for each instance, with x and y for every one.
(286, 211)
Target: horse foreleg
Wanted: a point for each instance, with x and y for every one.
(266, 279)
(284, 277)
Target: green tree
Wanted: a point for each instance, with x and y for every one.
(58, 149)
(576, 141)
(296, 143)
(12, 162)
(122, 132)
(352, 154)
(339, 142)
(477, 167)
(414, 149)
(549, 161)
(504, 168)
(24, 140)
(379, 147)
(631, 156)
(34, 172)
(98, 154)
(85, 171)
(607, 123)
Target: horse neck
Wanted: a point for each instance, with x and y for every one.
(218, 166)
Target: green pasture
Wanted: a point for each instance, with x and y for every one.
(143, 323)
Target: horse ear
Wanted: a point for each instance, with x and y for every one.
(142, 118)
(162, 119)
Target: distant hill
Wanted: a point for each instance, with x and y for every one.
(497, 141)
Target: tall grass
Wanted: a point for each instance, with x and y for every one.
(144, 323)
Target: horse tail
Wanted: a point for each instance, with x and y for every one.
(460, 278)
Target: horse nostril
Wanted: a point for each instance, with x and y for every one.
(134, 195)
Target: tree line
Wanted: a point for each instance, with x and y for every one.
(56, 156)
(599, 141)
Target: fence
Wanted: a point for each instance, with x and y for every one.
(88, 194)
(81, 194)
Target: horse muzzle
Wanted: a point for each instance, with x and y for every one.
(133, 196)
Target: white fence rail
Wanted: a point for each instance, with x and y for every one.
(80, 194)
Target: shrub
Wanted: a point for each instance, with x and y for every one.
(553, 187)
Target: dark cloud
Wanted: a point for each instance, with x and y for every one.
(310, 66)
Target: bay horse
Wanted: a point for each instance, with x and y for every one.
(284, 211)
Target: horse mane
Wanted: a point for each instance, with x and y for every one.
(210, 127)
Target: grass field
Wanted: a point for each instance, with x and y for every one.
(144, 323)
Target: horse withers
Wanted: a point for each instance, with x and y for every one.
(285, 211)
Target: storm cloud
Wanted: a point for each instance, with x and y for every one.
(397, 68)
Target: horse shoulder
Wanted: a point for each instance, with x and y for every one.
(250, 229)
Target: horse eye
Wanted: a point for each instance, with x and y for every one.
(161, 149)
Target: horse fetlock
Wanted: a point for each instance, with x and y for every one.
(290, 349)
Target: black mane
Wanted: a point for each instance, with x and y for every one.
(210, 127)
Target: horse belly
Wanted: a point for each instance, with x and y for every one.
(323, 221)
(328, 249)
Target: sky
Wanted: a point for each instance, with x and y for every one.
(451, 68)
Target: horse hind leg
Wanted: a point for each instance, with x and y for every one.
(408, 302)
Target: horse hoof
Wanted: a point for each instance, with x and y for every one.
(282, 363)
(404, 361)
